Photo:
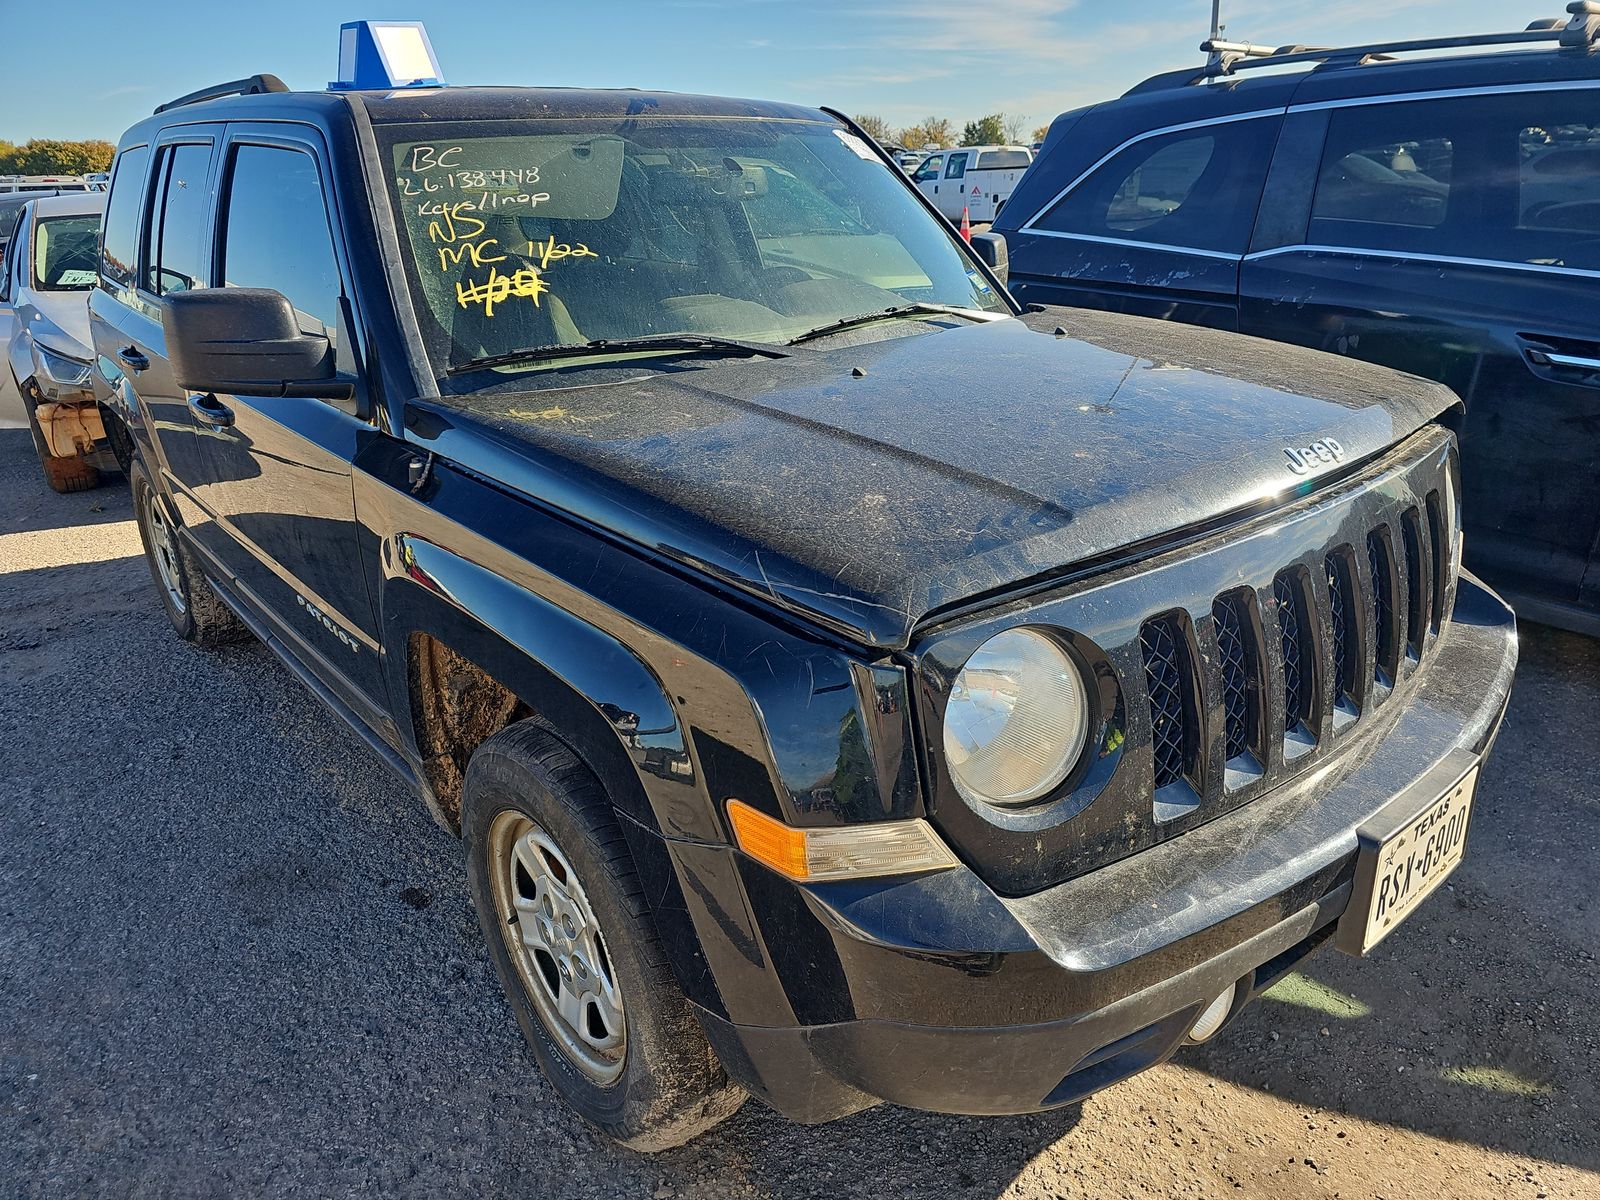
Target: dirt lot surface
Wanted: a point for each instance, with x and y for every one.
(236, 958)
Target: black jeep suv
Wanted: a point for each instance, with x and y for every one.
(848, 686)
(1436, 214)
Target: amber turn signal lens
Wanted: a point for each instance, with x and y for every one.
(780, 846)
(839, 851)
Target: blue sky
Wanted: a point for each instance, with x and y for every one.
(111, 61)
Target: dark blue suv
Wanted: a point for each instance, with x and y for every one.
(1438, 213)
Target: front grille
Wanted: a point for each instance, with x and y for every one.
(1165, 681)
(1229, 665)
(1338, 632)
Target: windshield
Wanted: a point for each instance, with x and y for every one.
(65, 255)
(543, 233)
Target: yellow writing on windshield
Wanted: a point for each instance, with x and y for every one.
(550, 250)
(526, 282)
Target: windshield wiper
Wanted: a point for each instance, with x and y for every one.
(883, 314)
(688, 343)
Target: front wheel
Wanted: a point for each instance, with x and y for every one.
(576, 948)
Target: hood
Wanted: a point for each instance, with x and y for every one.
(870, 485)
(59, 321)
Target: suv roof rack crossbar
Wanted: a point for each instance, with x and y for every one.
(255, 85)
(1578, 33)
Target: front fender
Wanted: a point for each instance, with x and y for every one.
(582, 680)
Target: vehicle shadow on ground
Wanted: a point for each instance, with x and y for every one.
(923, 1153)
(1474, 1021)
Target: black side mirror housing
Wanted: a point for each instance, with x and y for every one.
(991, 247)
(247, 342)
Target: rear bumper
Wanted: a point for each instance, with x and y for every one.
(935, 993)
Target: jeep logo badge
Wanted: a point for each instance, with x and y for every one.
(1302, 461)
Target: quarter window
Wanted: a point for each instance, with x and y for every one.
(119, 237)
(1196, 189)
(176, 256)
(275, 233)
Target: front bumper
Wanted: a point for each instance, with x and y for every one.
(936, 993)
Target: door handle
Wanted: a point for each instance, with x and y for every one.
(211, 411)
(1549, 358)
(131, 357)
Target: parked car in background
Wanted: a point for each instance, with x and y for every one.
(50, 267)
(1440, 215)
(45, 183)
(848, 690)
(11, 205)
(977, 180)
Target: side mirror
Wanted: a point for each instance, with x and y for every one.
(247, 342)
(991, 247)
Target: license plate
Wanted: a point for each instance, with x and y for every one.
(1407, 851)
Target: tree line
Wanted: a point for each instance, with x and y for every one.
(49, 156)
(995, 129)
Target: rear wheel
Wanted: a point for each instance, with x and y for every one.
(196, 611)
(576, 948)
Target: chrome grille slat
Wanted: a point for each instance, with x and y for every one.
(1381, 561)
(1286, 591)
(1416, 583)
(1237, 667)
(1343, 641)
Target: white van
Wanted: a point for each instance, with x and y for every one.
(979, 179)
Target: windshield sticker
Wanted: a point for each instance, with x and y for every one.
(860, 148)
(979, 282)
(76, 278)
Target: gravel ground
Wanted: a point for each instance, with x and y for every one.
(237, 958)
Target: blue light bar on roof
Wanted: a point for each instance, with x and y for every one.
(385, 54)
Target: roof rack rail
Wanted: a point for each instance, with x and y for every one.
(255, 85)
(1579, 32)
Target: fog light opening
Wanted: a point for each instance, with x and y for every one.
(1212, 1019)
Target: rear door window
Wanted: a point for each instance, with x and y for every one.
(1558, 178)
(1389, 165)
(1507, 177)
(1196, 189)
(175, 242)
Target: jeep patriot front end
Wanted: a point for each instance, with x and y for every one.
(849, 686)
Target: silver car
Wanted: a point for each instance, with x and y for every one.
(50, 267)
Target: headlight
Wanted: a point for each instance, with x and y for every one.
(63, 370)
(1017, 719)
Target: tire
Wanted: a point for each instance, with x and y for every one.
(197, 613)
(539, 827)
(64, 475)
